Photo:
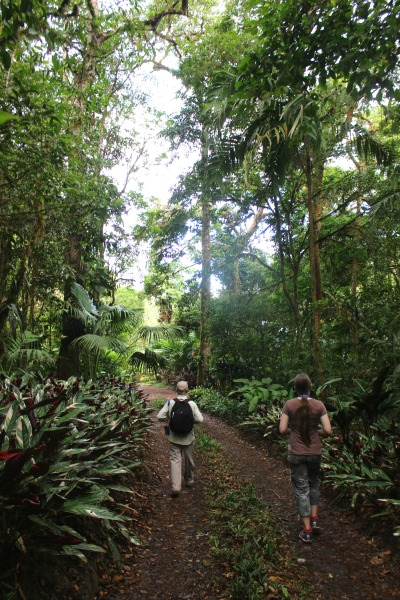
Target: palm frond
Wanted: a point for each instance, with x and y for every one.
(85, 302)
(121, 313)
(369, 147)
(120, 318)
(25, 349)
(147, 361)
(157, 332)
(92, 343)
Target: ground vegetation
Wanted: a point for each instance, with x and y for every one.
(277, 252)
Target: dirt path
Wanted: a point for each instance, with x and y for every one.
(343, 563)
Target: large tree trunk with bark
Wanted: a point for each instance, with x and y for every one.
(205, 297)
(315, 271)
(68, 363)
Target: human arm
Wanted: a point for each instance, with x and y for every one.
(326, 426)
(163, 414)
(284, 424)
(197, 416)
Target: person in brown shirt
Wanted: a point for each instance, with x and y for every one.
(301, 417)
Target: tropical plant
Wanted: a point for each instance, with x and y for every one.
(68, 454)
(181, 359)
(367, 472)
(258, 393)
(361, 464)
(106, 328)
(232, 410)
(23, 350)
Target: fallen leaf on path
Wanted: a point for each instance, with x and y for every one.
(380, 558)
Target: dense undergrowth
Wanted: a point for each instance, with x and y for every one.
(69, 451)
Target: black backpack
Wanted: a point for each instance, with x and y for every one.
(181, 419)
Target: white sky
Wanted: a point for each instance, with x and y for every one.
(156, 178)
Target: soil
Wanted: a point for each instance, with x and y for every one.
(346, 561)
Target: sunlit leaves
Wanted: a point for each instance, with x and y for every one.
(5, 116)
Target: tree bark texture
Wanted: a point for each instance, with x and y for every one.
(315, 271)
(68, 363)
(205, 295)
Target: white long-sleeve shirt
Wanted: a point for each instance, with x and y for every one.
(164, 415)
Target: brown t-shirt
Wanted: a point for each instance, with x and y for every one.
(296, 444)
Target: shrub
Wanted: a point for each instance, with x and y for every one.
(232, 410)
(362, 464)
(181, 359)
(257, 393)
(67, 452)
(367, 472)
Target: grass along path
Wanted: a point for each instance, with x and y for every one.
(243, 537)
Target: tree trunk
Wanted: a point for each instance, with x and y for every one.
(354, 266)
(68, 363)
(315, 272)
(292, 299)
(205, 297)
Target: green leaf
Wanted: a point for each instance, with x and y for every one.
(89, 547)
(253, 404)
(23, 432)
(6, 60)
(85, 302)
(11, 417)
(5, 116)
(77, 507)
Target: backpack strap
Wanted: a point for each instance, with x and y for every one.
(169, 402)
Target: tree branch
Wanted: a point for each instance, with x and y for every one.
(153, 23)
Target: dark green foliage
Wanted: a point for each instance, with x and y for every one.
(69, 452)
(259, 394)
(249, 339)
(210, 400)
(362, 463)
(265, 401)
(180, 360)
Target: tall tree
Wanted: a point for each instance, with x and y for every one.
(86, 53)
(285, 87)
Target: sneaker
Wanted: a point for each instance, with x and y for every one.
(174, 494)
(189, 483)
(316, 529)
(305, 536)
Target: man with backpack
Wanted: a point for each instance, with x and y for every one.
(181, 413)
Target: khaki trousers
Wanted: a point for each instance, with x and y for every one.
(178, 454)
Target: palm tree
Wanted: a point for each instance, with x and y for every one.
(22, 352)
(104, 330)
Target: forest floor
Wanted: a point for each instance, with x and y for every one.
(173, 561)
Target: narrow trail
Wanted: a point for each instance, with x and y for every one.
(172, 563)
